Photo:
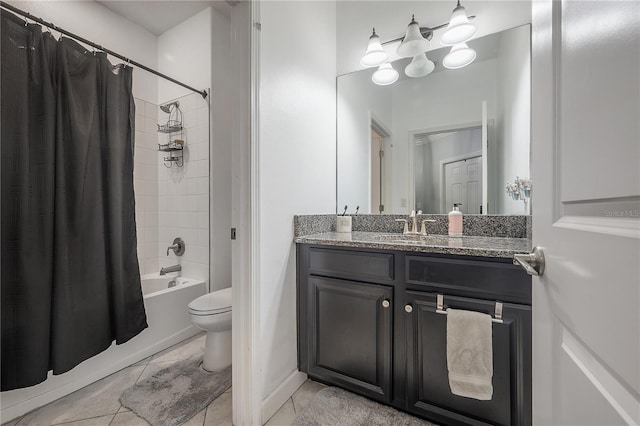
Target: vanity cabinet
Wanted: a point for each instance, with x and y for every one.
(349, 335)
(428, 392)
(367, 322)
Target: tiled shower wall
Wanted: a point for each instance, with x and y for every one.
(183, 208)
(173, 202)
(145, 173)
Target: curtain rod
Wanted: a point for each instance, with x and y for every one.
(51, 26)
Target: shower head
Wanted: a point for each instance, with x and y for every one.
(167, 108)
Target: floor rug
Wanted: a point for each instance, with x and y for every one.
(175, 394)
(336, 407)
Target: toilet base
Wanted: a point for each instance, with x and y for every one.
(217, 351)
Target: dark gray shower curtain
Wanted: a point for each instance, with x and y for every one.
(70, 277)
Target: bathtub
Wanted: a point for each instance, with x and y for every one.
(155, 284)
(169, 323)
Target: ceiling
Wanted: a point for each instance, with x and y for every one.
(159, 16)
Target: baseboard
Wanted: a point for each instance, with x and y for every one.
(86, 373)
(279, 396)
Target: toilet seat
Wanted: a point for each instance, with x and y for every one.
(216, 302)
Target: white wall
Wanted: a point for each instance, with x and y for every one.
(184, 53)
(359, 99)
(450, 99)
(514, 117)
(296, 161)
(106, 28)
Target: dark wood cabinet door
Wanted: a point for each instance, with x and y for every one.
(428, 392)
(349, 335)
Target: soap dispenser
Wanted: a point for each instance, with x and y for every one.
(455, 221)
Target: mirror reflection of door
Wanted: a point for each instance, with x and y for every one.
(448, 170)
(377, 154)
(463, 184)
(380, 137)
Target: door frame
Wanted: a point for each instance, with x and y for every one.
(377, 125)
(246, 377)
(443, 163)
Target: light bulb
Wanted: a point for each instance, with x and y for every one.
(459, 29)
(420, 66)
(413, 43)
(460, 56)
(375, 54)
(385, 75)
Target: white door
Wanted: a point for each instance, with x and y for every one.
(586, 203)
(463, 185)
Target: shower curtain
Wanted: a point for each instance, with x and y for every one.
(70, 277)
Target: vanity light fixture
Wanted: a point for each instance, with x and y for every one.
(459, 29)
(413, 42)
(460, 56)
(375, 54)
(420, 66)
(385, 75)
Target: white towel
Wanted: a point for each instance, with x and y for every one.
(470, 354)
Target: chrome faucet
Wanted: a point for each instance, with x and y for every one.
(178, 247)
(414, 224)
(423, 229)
(174, 268)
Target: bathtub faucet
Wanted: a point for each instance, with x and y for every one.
(178, 247)
(174, 268)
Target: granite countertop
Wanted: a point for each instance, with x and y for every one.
(466, 246)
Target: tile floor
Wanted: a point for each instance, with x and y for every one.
(284, 416)
(99, 403)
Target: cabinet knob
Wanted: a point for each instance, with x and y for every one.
(385, 303)
(408, 308)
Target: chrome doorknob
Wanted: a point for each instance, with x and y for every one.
(408, 308)
(533, 262)
(385, 303)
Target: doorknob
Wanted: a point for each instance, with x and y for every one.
(533, 262)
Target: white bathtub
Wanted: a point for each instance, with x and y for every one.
(160, 284)
(169, 323)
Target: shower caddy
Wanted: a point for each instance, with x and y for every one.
(175, 135)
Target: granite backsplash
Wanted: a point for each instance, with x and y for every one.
(513, 226)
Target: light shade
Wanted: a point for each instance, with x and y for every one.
(420, 66)
(375, 54)
(459, 29)
(460, 56)
(413, 43)
(385, 75)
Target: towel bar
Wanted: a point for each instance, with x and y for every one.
(440, 309)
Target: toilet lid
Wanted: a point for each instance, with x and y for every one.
(215, 302)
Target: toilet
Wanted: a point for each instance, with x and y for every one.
(212, 313)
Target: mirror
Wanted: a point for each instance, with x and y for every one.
(453, 136)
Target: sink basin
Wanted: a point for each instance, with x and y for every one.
(413, 239)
